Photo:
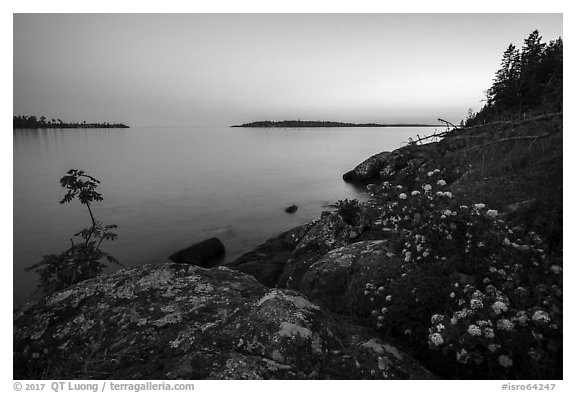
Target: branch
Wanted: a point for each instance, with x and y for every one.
(447, 123)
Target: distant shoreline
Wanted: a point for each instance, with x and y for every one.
(323, 124)
(32, 122)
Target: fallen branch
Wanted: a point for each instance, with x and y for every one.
(437, 135)
(447, 123)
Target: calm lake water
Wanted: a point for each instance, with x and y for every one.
(168, 187)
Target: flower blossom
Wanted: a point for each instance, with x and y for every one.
(436, 339)
(389, 298)
(474, 330)
(427, 187)
(441, 183)
(492, 213)
(541, 316)
(476, 304)
(436, 318)
(402, 196)
(479, 206)
(498, 307)
(504, 324)
(430, 174)
(414, 193)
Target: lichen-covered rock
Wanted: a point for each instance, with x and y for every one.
(330, 232)
(368, 168)
(174, 321)
(337, 281)
(396, 166)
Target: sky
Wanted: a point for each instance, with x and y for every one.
(223, 69)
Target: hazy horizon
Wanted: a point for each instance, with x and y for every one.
(224, 69)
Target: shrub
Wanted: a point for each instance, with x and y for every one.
(351, 211)
(484, 298)
(83, 260)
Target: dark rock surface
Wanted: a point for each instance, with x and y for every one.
(267, 261)
(173, 321)
(201, 254)
(367, 169)
(291, 209)
(394, 166)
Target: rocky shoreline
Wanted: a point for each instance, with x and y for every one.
(299, 306)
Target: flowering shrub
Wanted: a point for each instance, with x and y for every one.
(484, 298)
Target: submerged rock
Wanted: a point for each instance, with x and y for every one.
(291, 209)
(184, 322)
(201, 254)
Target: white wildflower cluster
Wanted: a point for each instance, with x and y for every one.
(499, 307)
(502, 306)
(476, 304)
(492, 213)
(474, 330)
(436, 339)
(541, 316)
(504, 324)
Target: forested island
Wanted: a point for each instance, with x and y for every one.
(43, 122)
(317, 124)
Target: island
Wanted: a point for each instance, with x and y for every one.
(319, 123)
(43, 122)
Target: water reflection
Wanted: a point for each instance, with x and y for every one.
(169, 187)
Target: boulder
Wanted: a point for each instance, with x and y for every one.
(330, 232)
(393, 166)
(337, 281)
(368, 169)
(291, 209)
(201, 254)
(172, 321)
(267, 261)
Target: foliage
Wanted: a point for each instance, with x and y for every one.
(316, 124)
(83, 260)
(350, 210)
(528, 81)
(484, 300)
